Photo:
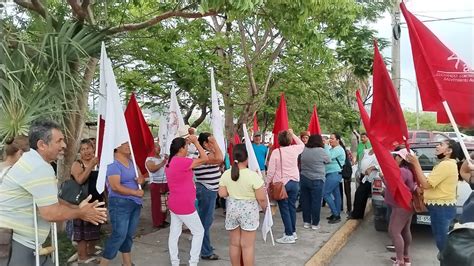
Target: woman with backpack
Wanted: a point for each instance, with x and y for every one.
(332, 194)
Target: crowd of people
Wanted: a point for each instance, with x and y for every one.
(189, 181)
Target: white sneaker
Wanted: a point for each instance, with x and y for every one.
(286, 240)
(295, 236)
(307, 225)
(315, 227)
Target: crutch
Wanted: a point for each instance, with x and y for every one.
(43, 251)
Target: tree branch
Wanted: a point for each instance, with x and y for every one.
(248, 63)
(250, 36)
(203, 115)
(277, 51)
(33, 5)
(189, 113)
(77, 9)
(155, 20)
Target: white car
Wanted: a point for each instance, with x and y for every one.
(452, 135)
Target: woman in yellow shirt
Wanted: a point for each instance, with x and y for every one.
(440, 189)
(244, 190)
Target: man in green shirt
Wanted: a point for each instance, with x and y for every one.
(364, 144)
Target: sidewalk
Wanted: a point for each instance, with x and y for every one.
(152, 248)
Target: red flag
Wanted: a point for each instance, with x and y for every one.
(390, 169)
(363, 114)
(441, 74)
(255, 123)
(141, 139)
(281, 120)
(314, 127)
(386, 119)
(230, 148)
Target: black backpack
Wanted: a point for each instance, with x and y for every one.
(346, 171)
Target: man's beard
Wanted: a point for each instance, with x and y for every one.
(440, 156)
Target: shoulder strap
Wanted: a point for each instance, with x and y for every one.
(281, 163)
(338, 163)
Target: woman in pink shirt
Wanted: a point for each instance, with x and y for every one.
(283, 167)
(182, 196)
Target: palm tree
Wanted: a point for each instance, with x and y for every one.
(41, 75)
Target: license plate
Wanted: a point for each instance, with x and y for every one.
(423, 219)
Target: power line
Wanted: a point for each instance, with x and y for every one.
(446, 19)
(445, 11)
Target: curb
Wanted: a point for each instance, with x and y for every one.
(337, 241)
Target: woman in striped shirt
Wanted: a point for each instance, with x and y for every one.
(207, 183)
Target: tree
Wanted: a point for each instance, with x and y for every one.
(257, 47)
(110, 18)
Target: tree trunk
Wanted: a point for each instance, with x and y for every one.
(229, 115)
(75, 123)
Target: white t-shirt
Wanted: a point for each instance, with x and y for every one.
(368, 160)
(159, 175)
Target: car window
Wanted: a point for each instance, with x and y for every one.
(422, 137)
(427, 157)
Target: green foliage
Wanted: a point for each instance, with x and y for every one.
(38, 74)
(427, 121)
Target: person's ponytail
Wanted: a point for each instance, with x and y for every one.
(240, 155)
(176, 145)
(234, 171)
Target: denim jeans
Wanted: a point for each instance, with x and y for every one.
(311, 198)
(206, 205)
(288, 207)
(332, 195)
(441, 218)
(124, 217)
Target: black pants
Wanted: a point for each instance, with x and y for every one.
(347, 192)
(360, 200)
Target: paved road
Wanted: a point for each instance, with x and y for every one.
(367, 247)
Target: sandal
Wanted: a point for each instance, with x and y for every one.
(94, 260)
(210, 257)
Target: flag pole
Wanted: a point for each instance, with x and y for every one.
(458, 134)
(133, 160)
(271, 231)
(97, 136)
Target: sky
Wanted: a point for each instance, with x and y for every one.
(457, 35)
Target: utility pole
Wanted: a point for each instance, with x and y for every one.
(396, 45)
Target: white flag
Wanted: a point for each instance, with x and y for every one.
(175, 120)
(111, 110)
(163, 133)
(253, 165)
(217, 125)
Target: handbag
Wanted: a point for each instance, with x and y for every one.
(417, 202)
(6, 237)
(277, 190)
(73, 192)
